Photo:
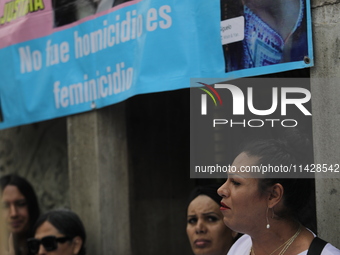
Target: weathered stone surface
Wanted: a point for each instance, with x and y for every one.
(99, 178)
(318, 3)
(326, 113)
(38, 152)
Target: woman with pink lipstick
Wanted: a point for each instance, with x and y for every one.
(267, 210)
(205, 228)
(20, 210)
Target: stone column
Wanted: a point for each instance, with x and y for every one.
(325, 85)
(99, 179)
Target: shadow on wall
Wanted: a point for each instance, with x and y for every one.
(158, 143)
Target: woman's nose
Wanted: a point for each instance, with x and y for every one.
(13, 211)
(42, 250)
(200, 227)
(223, 191)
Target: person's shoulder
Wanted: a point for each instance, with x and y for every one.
(241, 246)
(330, 250)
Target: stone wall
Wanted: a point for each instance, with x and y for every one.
(326, 112)
(38, 152)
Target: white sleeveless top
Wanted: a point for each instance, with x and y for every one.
(243, 245)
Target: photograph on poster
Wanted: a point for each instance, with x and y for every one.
(257, 33)
(66, 12)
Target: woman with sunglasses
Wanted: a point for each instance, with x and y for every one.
(20, 210)
(58, 232)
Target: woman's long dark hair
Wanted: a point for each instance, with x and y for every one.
(27, 191)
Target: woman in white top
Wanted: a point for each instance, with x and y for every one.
(266, 209)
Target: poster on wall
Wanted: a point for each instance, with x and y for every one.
(60, 57)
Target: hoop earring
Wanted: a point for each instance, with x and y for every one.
(268, 225)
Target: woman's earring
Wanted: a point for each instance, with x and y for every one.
(268, 226)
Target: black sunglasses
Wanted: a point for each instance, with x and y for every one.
(50, 243)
